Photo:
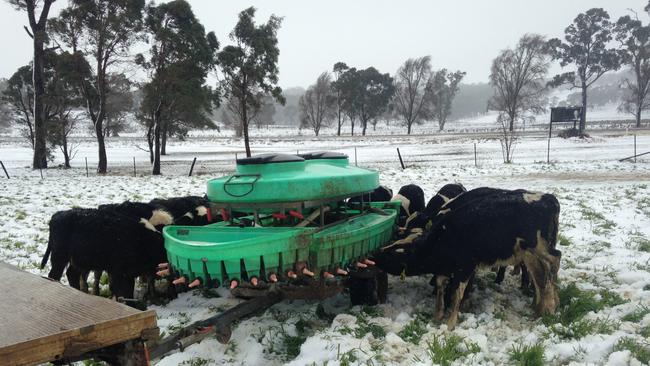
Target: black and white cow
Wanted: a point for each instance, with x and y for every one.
(411, 198)
(484, 227)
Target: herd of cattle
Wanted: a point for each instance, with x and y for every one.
(124, 240)
(450, 237)
(459, 231)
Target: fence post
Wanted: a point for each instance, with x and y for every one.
(475, 160)
(3, 168)
(192, 167)
(355, 157)
(134, 172)
(635, 147)
(400, 158)
(548, 145)
(41, 171)
(86, 167)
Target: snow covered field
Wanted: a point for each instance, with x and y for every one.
(604, 237)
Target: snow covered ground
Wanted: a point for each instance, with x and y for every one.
(604, 237)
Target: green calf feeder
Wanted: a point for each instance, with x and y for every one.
(286, 220)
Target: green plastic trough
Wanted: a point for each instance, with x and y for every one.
(279, 184)
(217, 252)
(289, 178)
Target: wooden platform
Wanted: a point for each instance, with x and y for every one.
(42, 320)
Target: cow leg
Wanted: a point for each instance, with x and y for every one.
(58, 266)
(501, 273)
(441, 284)
(74, 277)
(98, 279)
(122, 286)
(455, 304)
(541, 274)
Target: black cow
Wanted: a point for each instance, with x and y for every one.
(68, 234)
(444, 195)
(380, 194)
(89, 239)
(485, 227)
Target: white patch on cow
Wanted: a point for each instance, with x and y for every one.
(404, 201)
(442, 212)
(189, 214)
(444, 198)
(531, 197)
(400, 250)
(201, 211)
(161, 217)
(148, 225)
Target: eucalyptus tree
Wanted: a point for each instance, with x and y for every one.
(338, 69)
(585, 46)
(634, 37)
(38, 32)
(249, 68)
(374, 95)
(103, 31)
(178, 62)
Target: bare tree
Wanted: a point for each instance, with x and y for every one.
(410, 90)
(317, 104)
(517, 77)
(507, 138)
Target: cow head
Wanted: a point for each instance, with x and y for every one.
(400, 260)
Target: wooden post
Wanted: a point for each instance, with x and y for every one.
(41, 170)
(134, 172)
(475, 160)
(635, 147)
(3, 168)
(400, 158)
(86, 167)
(355, 157)
(192, 167)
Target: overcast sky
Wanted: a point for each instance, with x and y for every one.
(458, 34)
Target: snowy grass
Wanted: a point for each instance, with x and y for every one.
(604, 276)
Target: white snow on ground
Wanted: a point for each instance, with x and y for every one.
(605, 240)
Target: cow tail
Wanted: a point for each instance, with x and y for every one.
(46, 256)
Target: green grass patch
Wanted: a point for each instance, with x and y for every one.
(527, 355)
(645, 331)
(414, 330)
(196, 361)
(640, 351)
(637, 315)
(444, 351)
(568, 321)
(563, 240)
(365, 326)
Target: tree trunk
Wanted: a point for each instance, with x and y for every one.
(102, 163)
(40, 128)
(156, 142)
(408, 128)
(163, 147)
(150, 141)
(583, 116)
(66, 154)
(244, 125)
(338, 132)
(364, 124)
(352, 127)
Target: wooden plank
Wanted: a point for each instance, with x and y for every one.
(43, 320)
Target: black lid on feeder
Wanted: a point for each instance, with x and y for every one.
(323, 155)
(269, 159)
